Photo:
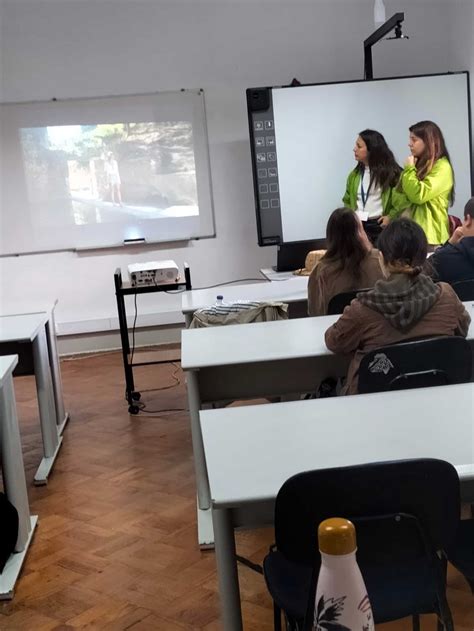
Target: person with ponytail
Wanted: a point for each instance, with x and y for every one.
(372, 186)
(405, 305)
(427, 181)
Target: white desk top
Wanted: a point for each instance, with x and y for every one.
(291, 290)
(40, 307)
(256, 342)
(19, 328)
(7, 366)
(262, 341)
(250, 451)
(271, 274)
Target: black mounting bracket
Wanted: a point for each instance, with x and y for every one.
(393, 23)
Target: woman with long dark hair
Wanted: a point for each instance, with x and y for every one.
(428, 181)
(405, 305)
(350, 262)
(372, 186)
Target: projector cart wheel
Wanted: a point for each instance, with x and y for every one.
(133, 409)
(136, 396)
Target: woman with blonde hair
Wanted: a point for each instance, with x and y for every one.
(428, 181)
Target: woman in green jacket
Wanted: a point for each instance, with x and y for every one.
(372, 186)
(428, 181)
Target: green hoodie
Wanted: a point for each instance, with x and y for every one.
(394, 201)
(430, 199)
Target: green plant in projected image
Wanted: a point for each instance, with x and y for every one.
(144, 170)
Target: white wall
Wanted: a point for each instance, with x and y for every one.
(81, 48)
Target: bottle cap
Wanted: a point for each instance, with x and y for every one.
(220, 297)
(337, 536)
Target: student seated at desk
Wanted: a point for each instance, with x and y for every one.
(349, 263)
(454, 261)
(407, 304)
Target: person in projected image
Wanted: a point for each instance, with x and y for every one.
(113, 179)
(372, 186)
(428, 181)
(350, 262)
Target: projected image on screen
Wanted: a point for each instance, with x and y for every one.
(94, 174)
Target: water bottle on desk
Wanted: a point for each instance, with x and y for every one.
(341, 596)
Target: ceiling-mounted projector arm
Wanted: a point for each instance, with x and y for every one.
(376, 36)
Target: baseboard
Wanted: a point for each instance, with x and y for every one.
(105, 341)
(101, 325)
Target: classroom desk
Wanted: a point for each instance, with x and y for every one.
(293, 291)
(13, 475)
(244, 361)
(31, 329)
(271, 274)
(62, 416)
(250, 452)
(284, 357)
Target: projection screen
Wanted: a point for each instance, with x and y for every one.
(101, 172)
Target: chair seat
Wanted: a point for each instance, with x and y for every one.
(394, 592)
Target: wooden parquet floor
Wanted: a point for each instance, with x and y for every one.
(116, 547)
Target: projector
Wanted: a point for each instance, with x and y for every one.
(153, 273)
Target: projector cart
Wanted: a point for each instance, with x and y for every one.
(129, 356)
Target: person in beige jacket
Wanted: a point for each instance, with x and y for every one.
(406, 305)
(350, 262)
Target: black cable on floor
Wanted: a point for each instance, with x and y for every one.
(253, 566)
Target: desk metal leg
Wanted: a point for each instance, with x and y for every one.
(12, 462)
(13, 566)
(194, 401)
(227, 572)
(204, 517)
(205, 529)
(62, 417)
(47, 410)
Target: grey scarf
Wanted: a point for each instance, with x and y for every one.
(403, 299)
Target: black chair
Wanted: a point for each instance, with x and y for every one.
(417, 363)
(339, 302)
(464, 289)
(406, 514)
(461, 553)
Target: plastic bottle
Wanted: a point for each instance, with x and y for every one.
(219, 300)
(341, 596)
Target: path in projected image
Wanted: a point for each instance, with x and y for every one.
(98, 211)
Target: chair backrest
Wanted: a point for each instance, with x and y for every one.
(417, 363)
(464, 289)
(369, 495)
(339, 302)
